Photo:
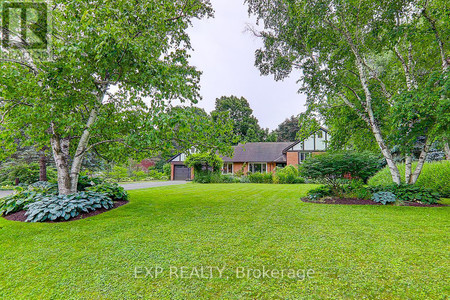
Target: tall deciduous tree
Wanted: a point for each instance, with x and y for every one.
(287, 131)
(246, 126)
(361, 54)
(115, 68)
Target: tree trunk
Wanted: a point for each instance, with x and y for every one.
(81, 149)
(42, 166)
(421, 162)
(408, 168)
(446, 150)
(372, 122)
(60, 148)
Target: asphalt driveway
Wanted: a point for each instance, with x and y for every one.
(127, 186)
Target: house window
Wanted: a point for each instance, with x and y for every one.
(302, 156)
(257, 167)
(319, 134)
(227, 168)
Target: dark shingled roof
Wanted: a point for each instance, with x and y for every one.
(259, 152)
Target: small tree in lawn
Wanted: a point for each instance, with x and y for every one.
(332, 168)
(115, 68)
(204, 163)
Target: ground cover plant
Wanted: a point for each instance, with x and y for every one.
(40, 201)
(374, 252)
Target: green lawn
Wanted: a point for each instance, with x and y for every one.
(374, 252)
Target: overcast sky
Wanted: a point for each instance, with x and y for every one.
(225, 53)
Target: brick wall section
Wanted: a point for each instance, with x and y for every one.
(172, 170)
(238, 165)
(292, 158)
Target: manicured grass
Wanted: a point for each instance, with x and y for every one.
(374, 252)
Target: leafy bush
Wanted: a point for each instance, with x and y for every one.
(85, 181)
(64, 207)
(167, 169)
(356, 189)
(112, 190)
(267, 177)
(256, 177)
(118, 173)
(200, 161)
(320, 192)
(383, 197)
(435, 176)
(287, 175)
(26, 173)
(44, 187)
(407, 192)
(154, 174)
(329, 167)
(17, 201)
(139, 175)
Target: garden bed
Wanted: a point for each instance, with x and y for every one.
(20, 215)
(355, 201)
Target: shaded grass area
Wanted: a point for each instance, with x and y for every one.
(374, 251)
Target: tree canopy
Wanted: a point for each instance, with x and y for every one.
(115, 68)
(374, 61)
(246, 126)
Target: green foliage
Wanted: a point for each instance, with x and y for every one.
(64, 207)
(383, 197)
(288, 174)
(408, 192)
(85, 181)
(377, 82)
(154, 174)
(245, 125)
(320, 192)
(26, 173)
(332, 166)
(256, 177)
(139, 175)
(112, 190)
(435, 176)
(167, 169)
(118, 173)
(355, 189)
(18, 201)
(287, 131)
(213, 177)
(200, 161)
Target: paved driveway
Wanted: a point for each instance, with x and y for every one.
(127, 186)
(5, 193)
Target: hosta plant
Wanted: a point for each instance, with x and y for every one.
(64, 207)
(17, 202)
(112, 190)
(383, 197)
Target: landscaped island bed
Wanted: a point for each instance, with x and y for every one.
(355, 251)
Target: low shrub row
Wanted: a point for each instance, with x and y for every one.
(286, 175)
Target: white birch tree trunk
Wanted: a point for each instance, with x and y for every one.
(60, 148)
(408, 168)
(68, 172)
(421, 162)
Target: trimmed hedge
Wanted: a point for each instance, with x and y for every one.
(435, 176)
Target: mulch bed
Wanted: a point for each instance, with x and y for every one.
(20, 215)
(354, 201)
